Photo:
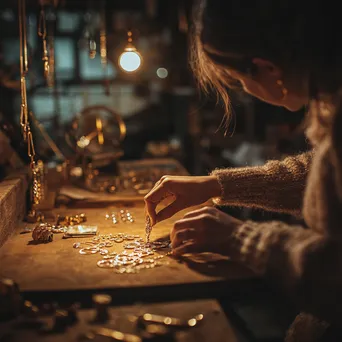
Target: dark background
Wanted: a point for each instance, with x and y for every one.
(158, 112)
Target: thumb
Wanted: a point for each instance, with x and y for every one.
(170, 210)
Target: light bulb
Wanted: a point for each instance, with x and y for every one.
(130, 60)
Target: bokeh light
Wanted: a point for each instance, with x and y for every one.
(130, 61)
(162, 73)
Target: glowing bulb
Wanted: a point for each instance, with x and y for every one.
(162, 73)
(130, 61)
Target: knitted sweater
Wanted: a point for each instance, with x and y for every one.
(306, 262)
(277, 186)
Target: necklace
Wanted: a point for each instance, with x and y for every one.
(36, 167)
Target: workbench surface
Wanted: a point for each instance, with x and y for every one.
(59, 266)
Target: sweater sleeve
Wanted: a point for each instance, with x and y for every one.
(307, 264)
(277, 186)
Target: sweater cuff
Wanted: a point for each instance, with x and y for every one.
(219, 200)
(238, 183)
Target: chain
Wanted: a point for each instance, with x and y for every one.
(103, 37)
(51, 77)
(37, 168)
(23, 68)
(148, 228)
(42, 34)
(30, 145)
(24, 120)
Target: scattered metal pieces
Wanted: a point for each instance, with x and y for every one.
(42, 233)
(140, 256)
(148, 318)
(71, 220)
(125, 216)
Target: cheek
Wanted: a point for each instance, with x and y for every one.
(250, 87)
(255, 89)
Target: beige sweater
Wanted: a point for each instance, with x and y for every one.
(307, 262)
(277, 186)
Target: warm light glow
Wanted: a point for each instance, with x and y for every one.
(83, 142)
(130, 61)
(162, 73)
(100, 136)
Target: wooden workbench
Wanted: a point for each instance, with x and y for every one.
(57, 266)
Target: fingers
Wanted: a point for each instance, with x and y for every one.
(194, 226)
(202, 230)
(204, 210)
(182, 236)
(150, 210)
(162, 189)
(193, 222)
(190, 228)
(192, 246)
(169, 211)
(189, 247)
(154, 197)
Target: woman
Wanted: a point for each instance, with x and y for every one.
(286, 53)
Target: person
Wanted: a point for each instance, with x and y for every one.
(286, 53)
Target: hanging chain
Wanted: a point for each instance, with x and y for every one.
(23, 68)
(23, 15)
(103, 36)
(51, 63)
(103, 47)
(37, 168)
(30, 146)
(42, 34)
(24, 123)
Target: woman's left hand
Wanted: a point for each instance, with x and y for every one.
(205, 230)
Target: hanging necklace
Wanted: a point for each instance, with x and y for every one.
(42, 34)
(36, 167)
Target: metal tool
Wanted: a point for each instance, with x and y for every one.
(148, 318)
(101, 303)
(153, 333)
(113, 334)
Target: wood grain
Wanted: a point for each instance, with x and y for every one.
(58, 266)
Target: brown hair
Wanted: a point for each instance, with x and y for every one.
(302, 40)
(300, 37)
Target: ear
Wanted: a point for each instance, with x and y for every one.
(267, 68)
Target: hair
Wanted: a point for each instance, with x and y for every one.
(300, 37)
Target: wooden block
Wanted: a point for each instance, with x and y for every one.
(12, 204)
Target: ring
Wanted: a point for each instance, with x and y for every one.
(105, 264)
(89, 250)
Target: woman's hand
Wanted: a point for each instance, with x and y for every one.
(205, 230)
(187, 191)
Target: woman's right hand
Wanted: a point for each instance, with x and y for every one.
(187, 191)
